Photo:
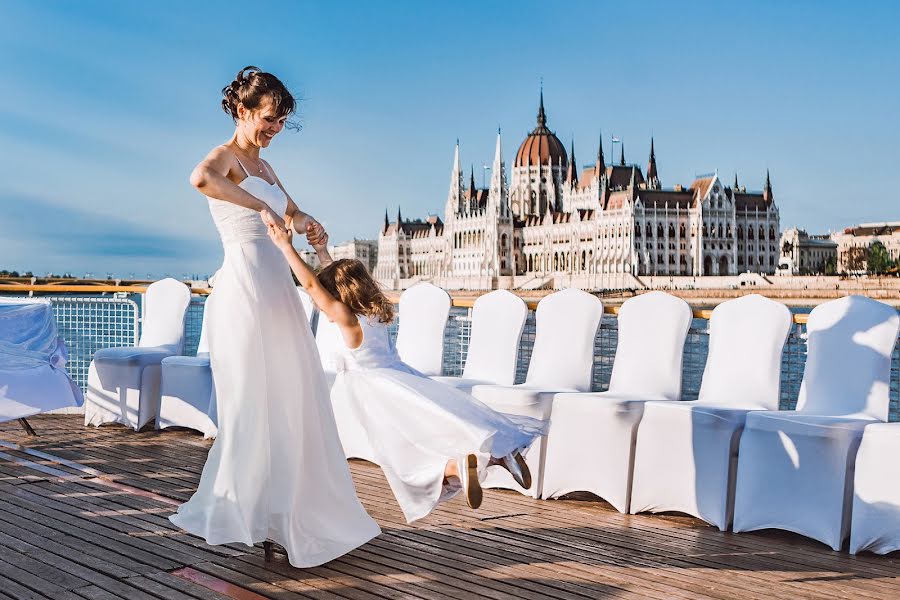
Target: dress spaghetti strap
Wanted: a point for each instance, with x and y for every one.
(246, 172)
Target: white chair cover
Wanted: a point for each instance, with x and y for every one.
(309, 307)
(424, 309)
(124, 383)
(188, 398)
(795, 468)
(497, 322)
(876, 498)
(686, 454)
(33, 376)
(562, 359)
(590, 446)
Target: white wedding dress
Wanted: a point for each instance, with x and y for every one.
(415, 424)
(277, 469)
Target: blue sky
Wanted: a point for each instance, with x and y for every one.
(107, 106)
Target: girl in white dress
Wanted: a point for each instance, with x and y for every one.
(277, 470)
(431, 440)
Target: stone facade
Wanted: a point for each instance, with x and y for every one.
(804, 254)
(365, 251)
(853, 244)
(554, 226)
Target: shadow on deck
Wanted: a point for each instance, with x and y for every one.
(83, 515)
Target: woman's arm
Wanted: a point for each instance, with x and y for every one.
(294, 217)
(210, 177)
(333, 308)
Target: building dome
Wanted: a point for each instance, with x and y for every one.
(541, 147)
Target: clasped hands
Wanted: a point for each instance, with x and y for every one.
(282, 236)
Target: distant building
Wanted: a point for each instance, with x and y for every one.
(365, 251)
(854, 242)
(804, 254)
(554, 226)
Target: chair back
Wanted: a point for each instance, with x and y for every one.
(497, 322)
(652, 331)
(165, 308)
(743, 366)
(309, 308)
(424, 309)
(848, 358)
(566, 325)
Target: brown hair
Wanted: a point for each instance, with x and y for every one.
(349, 281)
(251, 87)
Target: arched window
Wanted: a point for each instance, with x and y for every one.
(583, 260)
(659, 230)
(682, 230)
(771, 233)
(740, 232)
(649, 231)
(762, 233)
(704, 230)
(637, 230)
(671, 230)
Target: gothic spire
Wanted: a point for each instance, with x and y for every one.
(767, 193)
(542, 116)
(600, 167)
(572, 175)
(622, 146)
(387, 223)
(735, 182)
(652, 178)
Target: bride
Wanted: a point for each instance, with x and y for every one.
(276, 471)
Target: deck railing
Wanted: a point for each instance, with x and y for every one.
(90, 321)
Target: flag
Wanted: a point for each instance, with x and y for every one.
(615, 140)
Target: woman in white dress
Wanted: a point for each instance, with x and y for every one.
(276, 471)
(430, 440)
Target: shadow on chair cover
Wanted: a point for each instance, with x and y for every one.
(424, 309)
(498, 319)
(124, 383)
(686, 453)
(590, 446)
(562, 359)
(796, 468)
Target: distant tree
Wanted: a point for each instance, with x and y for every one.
(14, 274)
(856, 259)
(879, 259)
(28, 274)
(831, 266)
(4, 273)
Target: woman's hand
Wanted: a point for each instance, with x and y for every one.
(281, 237)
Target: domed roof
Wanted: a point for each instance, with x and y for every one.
(541, 146)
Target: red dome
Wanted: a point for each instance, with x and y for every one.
(541, 147)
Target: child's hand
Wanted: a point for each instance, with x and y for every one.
(281, 236)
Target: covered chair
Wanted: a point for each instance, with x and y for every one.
(562, 359)
(309, 307)
(497, 322)
(686, 454)
(876, 498)
(795, 468)
(124, 383)
(187, 397)
(33, 377)
(424, 309)
(590, 446)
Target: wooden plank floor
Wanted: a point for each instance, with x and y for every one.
(83, 516)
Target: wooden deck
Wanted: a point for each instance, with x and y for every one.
(83, 515)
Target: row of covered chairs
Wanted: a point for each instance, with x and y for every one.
(729, 457)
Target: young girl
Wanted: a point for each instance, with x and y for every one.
(431, 440)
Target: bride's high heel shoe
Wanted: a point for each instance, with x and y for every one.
(518, 468)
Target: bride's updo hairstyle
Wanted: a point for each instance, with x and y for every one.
(251, 87)
(349, 281)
